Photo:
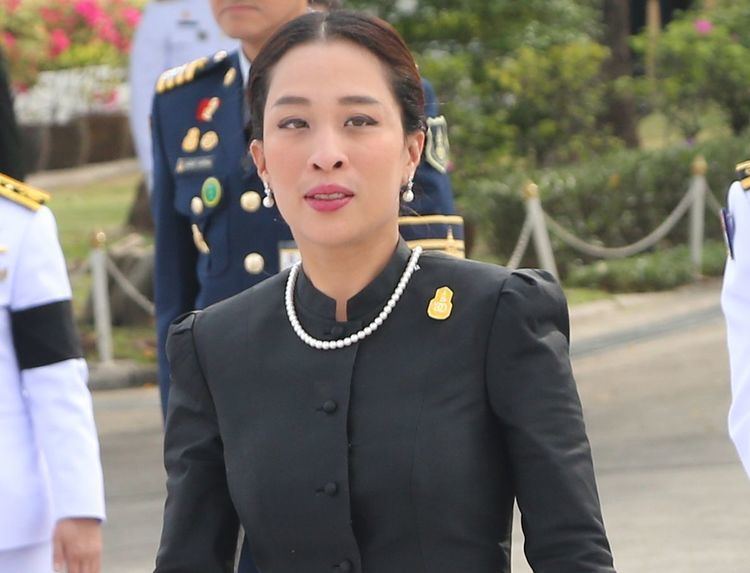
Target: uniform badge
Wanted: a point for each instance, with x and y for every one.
(194, 164)
(211, 192)
(207, 108)
(727, 224)
(441, 304)
(437, 147)
(230, 76)
(209, 141)
(191, 139)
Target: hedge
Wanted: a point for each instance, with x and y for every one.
(613, 201)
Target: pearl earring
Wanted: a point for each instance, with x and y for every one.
(268, 201)
(408, 195)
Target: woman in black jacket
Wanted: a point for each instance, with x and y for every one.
(377, 408)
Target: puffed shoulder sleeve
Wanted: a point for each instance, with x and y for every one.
(533, 393)
(200, 528)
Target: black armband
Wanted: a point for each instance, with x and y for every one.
(44, 335)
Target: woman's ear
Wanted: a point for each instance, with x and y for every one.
(414, 146)
(259, 157)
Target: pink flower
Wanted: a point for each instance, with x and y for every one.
(90, 11)
(131, 16)
(9, 40)
(11, 5)
(703, 26)
(58, 42)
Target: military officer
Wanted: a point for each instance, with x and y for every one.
(52, 500)
(214, 237)
(170, 33)
(735, 301)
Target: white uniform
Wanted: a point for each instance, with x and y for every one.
(735, 301)
(50, 466)
(171, 33)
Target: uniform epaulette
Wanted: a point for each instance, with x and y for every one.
(743, 174)
(186, 73)
(21, 193)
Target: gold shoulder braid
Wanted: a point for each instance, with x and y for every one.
(186, 73)
(21, 193)
(743, 174)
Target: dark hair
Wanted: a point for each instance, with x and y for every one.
(373, 34)
(329, 4)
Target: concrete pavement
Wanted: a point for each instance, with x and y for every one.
(655, 394)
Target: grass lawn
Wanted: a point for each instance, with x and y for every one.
(80, 211)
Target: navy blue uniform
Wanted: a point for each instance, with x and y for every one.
(213, 237)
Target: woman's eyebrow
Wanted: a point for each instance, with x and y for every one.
(291, 100)
(358, 100)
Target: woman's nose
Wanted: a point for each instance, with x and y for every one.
(329, 153)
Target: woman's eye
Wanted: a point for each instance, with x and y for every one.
(292, 123)
(360, 121)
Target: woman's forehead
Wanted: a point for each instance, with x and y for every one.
(325, 64)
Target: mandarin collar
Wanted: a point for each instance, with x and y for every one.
(367, 301)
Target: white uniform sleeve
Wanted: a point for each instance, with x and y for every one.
(58, 399)
(147, 62)
(735, 301)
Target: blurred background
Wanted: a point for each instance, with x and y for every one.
(619, 117)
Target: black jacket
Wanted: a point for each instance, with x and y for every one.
(400, 454)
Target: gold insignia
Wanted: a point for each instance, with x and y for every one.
(437, 146)
(3, 249)
(441, 306)
(230, 76)
(191, 139)
(209, 141)
(434, 241)
(219, 56)
(207, 113)
(211, 192)
(200, 242)
(21, 193)
(196, 205)
(250, 201)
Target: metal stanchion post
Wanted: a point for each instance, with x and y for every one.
(698, 188)
(100, 295)
(539, 228)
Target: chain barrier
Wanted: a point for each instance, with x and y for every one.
(129, 288)
(628, 250)
(521, 245)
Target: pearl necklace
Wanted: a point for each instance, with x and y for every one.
(367, 330)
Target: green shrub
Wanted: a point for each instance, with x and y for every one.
(613, 201)
(703, 60)
(661, 270)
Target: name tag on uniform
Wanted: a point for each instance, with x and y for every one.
(186, 165)
(288, 254)
(727, 224)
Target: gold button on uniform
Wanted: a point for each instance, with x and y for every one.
(250, 201)
(230, 76)
(196, 205)
(254, 263)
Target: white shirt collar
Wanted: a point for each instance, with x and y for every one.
(244, 67)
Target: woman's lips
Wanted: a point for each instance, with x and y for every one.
(327, 198)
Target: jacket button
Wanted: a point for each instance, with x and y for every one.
(254, 263)
(329, 406)
(196, 205)
(331, 488)
(250, 201)
(346, 566)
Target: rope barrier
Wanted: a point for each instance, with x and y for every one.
(628, 250)
(713, 202)
(129, 289)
